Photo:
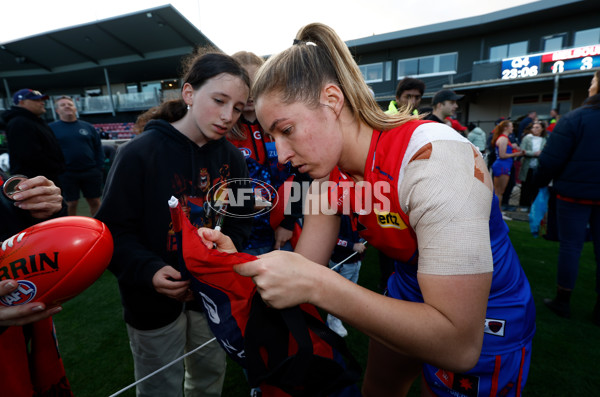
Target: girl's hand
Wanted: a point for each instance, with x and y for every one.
(215, 239)
(167, 281)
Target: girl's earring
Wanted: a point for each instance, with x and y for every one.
(188, 107)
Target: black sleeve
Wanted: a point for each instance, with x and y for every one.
(22, 139)
(132, 262)
(98, 149)
(296, 209)
(14, 219)
(556, 153)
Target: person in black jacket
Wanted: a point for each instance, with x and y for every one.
(182, 153)
(570, 159)
(32, 147)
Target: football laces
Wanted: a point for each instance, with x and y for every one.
(10, 242)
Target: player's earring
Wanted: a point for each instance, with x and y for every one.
(188, 107)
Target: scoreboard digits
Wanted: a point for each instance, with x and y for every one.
(582, 58)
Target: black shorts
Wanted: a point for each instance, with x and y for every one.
(88, 182)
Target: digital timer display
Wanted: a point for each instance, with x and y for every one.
(527, 66)
(581, 58)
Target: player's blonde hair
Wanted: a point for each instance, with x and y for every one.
(319, 57)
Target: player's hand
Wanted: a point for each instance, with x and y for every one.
(40, 196)
(215, 239)
(283, 278)
(167, 281)
(22, 314)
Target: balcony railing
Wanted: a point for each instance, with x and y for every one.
(486, 70)
(122, 102)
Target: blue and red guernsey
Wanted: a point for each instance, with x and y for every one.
(510, 317)
(384, 215)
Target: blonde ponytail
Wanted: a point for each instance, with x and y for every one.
(319, 57)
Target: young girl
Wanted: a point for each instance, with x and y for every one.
(458, 308)
(181, 153)
(261, 158)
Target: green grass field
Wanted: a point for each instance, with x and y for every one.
(94, 344)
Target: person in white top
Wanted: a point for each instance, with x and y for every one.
(531, 145)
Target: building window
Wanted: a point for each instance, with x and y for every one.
(508, 50)
(376, 72)
(132, 88)
(587, 37)
(554, 43)
(428, 66)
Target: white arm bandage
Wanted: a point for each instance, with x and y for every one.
(448, 199)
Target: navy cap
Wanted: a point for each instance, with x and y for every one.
(445, 95)
(27, 93)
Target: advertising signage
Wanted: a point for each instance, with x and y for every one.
(581, 58)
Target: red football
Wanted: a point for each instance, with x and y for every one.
(55, 260)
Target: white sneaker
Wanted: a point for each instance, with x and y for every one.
(506, 218)
(336, 325)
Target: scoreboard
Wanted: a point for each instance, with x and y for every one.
(581, 58)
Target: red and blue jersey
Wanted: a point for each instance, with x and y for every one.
(510, 317)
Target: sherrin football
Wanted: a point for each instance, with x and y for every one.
(55, 260)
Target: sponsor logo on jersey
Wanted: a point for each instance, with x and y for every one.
(387, 219)
(494, 326)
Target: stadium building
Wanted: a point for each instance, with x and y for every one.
(536, 56)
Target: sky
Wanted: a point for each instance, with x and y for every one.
(260, 26)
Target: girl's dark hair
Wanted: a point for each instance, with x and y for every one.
(198, 68)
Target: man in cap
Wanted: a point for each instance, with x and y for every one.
(32, 147)
(444, 105)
